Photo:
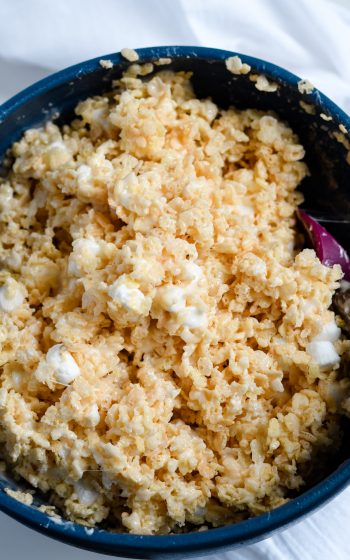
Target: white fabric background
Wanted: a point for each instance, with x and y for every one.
(309, 37)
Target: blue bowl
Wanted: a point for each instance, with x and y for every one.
(326, 190)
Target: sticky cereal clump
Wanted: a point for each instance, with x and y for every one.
(130, 54)
(24, 497)
(235, 65)
(263, 84)
(167, 356)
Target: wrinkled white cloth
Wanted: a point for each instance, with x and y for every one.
(309, 37)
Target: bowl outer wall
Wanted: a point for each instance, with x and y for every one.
(39, 103)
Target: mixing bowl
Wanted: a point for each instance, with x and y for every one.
(322, 128)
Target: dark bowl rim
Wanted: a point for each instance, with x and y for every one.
(202, 541)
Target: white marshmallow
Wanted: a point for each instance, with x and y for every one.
(58, 154)
(127, 295)
(329, 332)
(172, 298)
(11, 296)
(64, 366)
(192, 272)
(93, 417)
(243, 210)
(193, 317)
(323, 353)
(86, 495)
(84, 175)
(85, 252)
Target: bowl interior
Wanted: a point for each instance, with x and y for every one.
(326, 191)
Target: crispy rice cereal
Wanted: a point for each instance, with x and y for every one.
(106, 64)
(24, 497)
(166, 356)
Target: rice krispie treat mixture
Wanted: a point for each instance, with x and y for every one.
(167, 356)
